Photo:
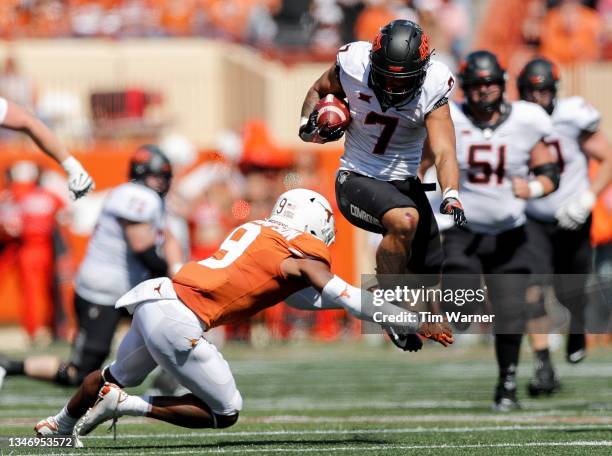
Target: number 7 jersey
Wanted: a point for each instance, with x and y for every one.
(244, 276)
(386, 145)
(489, 158)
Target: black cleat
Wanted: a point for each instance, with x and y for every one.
(544, 380)
(576, 348)
(505, 395)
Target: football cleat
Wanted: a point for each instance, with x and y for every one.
(576, 348)
(47, 427)
(544, 380)
(105, 408)
(2, 375)
(505, 396)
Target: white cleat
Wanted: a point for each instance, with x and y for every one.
(105, 408)
(49, 428)
(2, 375)
(46, 427)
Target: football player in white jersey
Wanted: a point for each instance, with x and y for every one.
(15, 117)
(397, 96)
(504, 162)
(129, 244)
(559, 224)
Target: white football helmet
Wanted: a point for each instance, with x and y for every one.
(307, 211)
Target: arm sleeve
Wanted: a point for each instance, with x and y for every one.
(365, 306)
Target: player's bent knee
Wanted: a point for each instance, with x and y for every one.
(401, 222)
(225, 421)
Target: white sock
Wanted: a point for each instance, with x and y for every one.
(135, 406)
(65, 422)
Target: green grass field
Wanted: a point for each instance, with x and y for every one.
(349, 398)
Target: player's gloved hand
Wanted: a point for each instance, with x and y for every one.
(407, 342)
(452, 206)
(440, 332)
(79, 181)
(572, 215)
(309, 129)
(331, 134)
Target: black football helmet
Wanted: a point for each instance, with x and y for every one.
(539, 74)
(149, 160)
(482, 67)
(399, 59)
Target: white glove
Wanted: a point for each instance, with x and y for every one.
(573, 214)
(80, 182)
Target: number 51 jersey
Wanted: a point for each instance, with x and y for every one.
(386, 145)
(489, 158)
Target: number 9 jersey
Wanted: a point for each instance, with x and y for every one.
(386, 145)
(244, 276)
(489, 158)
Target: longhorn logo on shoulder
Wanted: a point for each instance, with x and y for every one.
(158, 288)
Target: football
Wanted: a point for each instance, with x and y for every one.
(333, 112)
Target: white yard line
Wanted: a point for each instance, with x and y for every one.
(579, 443)
(411, 430)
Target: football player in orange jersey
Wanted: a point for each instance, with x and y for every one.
(258, 265)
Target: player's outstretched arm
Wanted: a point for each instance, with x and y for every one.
(334, 292)
(441, 146)
(329, 82)
(544, 166)
(19, 119)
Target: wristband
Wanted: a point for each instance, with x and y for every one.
(536, 189)
(450, 193)
(303, 121)
(71, 165)
(587, 200)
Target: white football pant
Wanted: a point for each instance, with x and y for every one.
(167, 333)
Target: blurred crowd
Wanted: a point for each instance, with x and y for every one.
(569, 31)
(320, 24)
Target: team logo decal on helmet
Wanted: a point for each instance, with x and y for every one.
(539, 74)
(306, 211)
(149, 160)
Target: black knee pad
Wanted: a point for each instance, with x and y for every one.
(225, 421)
(536, 308)
(68, 375)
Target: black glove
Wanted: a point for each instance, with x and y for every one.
(407, 342)
(330, 134)
(452, 205)
(309, 131)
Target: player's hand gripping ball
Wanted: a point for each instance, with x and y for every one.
(327, 122)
